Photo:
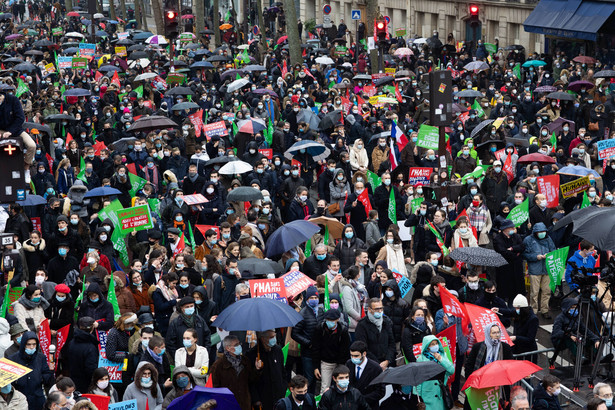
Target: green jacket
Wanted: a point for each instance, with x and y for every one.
(429, 390)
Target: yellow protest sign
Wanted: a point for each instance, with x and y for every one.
(121, 51)
(389, 70)
(498, 122)
(574, 187)
(11, 371)
(50, 68)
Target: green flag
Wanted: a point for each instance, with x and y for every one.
(80, 297)
(308, 248)
(268, 133)
(285, 352)
(191, 238)
(112, 298)
(556, 266)
(477, 173)
(326, 238)
(585, 202)
(119, 244)
(520, 213)
(6, 301)
(487, 398)
(374, 180)
(81, 174)
(21, 88)
(517, 70)
(479, 110)
(392, 207)
(326, 292)
(136, 183)
(139, 91)
(491, 48)
(154, 204)
(553, 141)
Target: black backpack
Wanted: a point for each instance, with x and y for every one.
(288, 404)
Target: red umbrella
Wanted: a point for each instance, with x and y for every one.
(73, 14)
(584, 60)
(576, 86)
(535, 157)
(251, 126)
(501, 373)
(282, 39)
(187, 16)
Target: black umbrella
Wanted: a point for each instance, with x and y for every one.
(434, 42)
(217, 58)
(59, 118)
(125, 42)
(122, 144)
(481, 126)
(136, 55)
(109, 68)
(605, 74)
(34, 53)
(384, 80)
(330, 120)
(220, 160)
(561, 95)
(244, 193)
(43, 43)
(257, 266)
(469, 93)
(153, 122)
(409, 374)
(179, 91)
(597, 225)
(231, 74)
(26, 67)
(478, 256)
(136, 47)
(176, 63)
(36, 126)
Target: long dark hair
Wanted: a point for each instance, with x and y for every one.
(154, 387)
(96, 376)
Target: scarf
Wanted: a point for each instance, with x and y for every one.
(153, 178)
(235, 361)
(188, 320)
(166, 292)
(29, 304)
(469, 241)
(395, 258)
(157, 359)
(377, 322)
(493, 346)
(478, 217)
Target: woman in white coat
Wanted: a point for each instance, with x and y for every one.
(194, 357)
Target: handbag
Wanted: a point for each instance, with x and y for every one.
(447, 397)
(593, 126)
(334, 208)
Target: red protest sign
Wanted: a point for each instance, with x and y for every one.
(452, 306)
(267, 152)
(451, 336)
(370, 90)
(549, 187)
(197, 121)
(295, 162)
(481, 317)
(364, 199)
(296, 282)
(44, 337)
(268, 288)
(420, 176)
(62, 335)
(215, 128)
(36, 223)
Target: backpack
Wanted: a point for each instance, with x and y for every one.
(288, 404)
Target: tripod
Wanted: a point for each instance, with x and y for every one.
(605, 337)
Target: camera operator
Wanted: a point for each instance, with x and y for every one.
(12, 268)
(583, 258)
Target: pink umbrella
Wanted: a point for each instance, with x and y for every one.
(282, 39)
(14, 36)
(187, 16)
(403, 51)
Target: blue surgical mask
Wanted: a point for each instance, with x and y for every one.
(419, 320)
(30, 352)
(573, 312)
(182, 382)
(184, 285)
(343, 384)
(331, 324)
(145, 343)
(321, 257)
(542, 235)
(272, 342)
(312, 303)
(238, 350)
(94, 300)
(18, 340)
(356, 360)
(608, 402)
(162, 351)
(377, 315)
(434, 349)
(349, 235)
(146, 380)
(60, 298)
(36, 299)
(189, 311)
(187, 343)
(6, 389)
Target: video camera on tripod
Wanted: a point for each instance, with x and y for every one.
(584, 278)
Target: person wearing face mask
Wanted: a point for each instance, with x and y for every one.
(70, 237)
(35, 252)
(608, 178)
(376, 330)
(30, 356)
(30, 308)
(11, 398)
(341, 394)
(117, 341)
(82, 349)
(495, 186)
(540, 212)
(525, 326)
(359, 160)
(271, 385)
(510, 245)
(330, 344)
(301, 206)
(144, 388)
(604, 392)
(93, 266)
(187, 319)
(546, 394)
(537, 246)
(464, 163)
(382, 195)
(120, 181)
(430, 391)
(185, 379)
(96, 306)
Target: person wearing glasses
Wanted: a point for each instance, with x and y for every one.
(604, 392)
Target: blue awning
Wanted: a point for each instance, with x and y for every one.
(569, 18)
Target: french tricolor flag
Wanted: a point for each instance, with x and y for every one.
(400, 138)
(392, 157)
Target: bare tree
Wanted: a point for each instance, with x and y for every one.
(216, 23)
(292, 31)
(157, 10)
(372, 13)
(69, 5)
(123, 10)
(199, 15)
(112, 10)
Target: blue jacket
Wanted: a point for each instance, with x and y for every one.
(535, 247)
(588, 262)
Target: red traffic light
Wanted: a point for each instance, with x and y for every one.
(473, 9)
(380, 25)
(170, 15)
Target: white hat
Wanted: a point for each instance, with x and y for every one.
(520, 301)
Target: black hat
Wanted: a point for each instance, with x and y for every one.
(86, 322)
(154, 234)
(507, 224)
(185, 301)
(174, 231)
(62, 218)
(332, 314)
(145, 318)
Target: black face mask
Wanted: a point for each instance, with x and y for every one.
(299, 397)
(489, 296)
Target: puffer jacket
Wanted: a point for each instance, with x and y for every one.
(345, 250)
(101, 311)
(535, 247)
(397, 310)
(303, 331)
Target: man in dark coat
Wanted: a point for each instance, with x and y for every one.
(317, 263)
(83, 353)
(545, 395)
(395, 307)
(341, 394)
(271, 384)
(362, 371)
(356, 209)
(382, 196)
(510, 245)
(187, 319)
(495, 186)
(155, 353)
(96, 306)
(32, 384)
(376, 331)
(224, 285)
(330, 343)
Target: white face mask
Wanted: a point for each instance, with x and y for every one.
(102, 385)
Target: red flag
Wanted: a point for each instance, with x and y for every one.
(284, 69)
(62, 335)
(360, 100)
(481, 317)
(99, 146)
(246, 206)
(450, 334)
(49, 161)
(98, 75)
(364, 198)
(116, 79)
(597, 265)
(508, 168)
(44, 337)
(197, 121)
(132, 168)
(210, 382)
(307, 72)
(459, 264)
(397, 93)
(69, 138)
(204, 228)
(451, 305)
(181, 245)
(147, 403)
(159, 79)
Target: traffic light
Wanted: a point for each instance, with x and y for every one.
(12, 169)
(380, 30)
(473, 9)
(171, 23)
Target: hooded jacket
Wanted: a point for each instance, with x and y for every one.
(430, 390)
(31, 385)
(345, 250)
(125, 299)
(207, 308)
(177, 327)
(83, 353)
(535, 247)
(397, 310)
(589, 262)
(178, 391)
(101, 311)
(565, 322)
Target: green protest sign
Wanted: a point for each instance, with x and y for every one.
(556, 266)
(483, 399)
(119, 244)
(428, 137)
(79, 62)
(57, 31)
(520, 213)
(416, 204)
(491, 48)
(137, 218)
(392, 207)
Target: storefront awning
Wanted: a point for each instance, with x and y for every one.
(569, 18)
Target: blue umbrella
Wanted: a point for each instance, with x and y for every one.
(316, 150)
(534, 63)
(143, 36)
(102, 191)
(290, 235)
(578, 170)
(199, 395)
(112, 22)
(202, 64)
(33, 200)
(258, 314)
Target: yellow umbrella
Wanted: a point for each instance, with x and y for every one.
(102, 58)
(226, 26)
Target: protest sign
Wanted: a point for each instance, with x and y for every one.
(267, 152)
(369, 90)
(14, 294)
(137, 218)
(400, 32)
(420, 176)
(124, 405)
(11, 371)
(44, 338)
(215, 128)
(296, 282)
(114, 368)
(57, 31)
(87, 49)
(481, 317)
(520, 213)
(268, 288)
(195, 199)
(50, 68)
(79, 62)
(121, 51)
(123, 35)
(403, 283)
(119, 244)
(176, 78)
(483, 399)
(606, 148)
(556, 266)
(65, 62)
(428, 137)
(574, 187)
(549, 187)
(197, 122)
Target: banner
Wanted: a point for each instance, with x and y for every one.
(549, 187)
(11, 371)
(65, 62)
(216, 128)
(62, 335)
(116, 237)
(195, 199)
(114, 369)
(125, 405)
(481, 317)
(121, 51)
(556, 266)
(197, 121)
(44, 338)
(364, 199)
(403, 283)
(79, 62)
(419, 176)
(452, 306)
(428, 137)
(574, 187)
(369, 90)
(268, 288)
(137, 218)
(296, 282)
(483, 399)
(266, 152)
(606, 148)
(520, 213)
(87, 49)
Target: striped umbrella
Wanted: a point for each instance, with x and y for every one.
(251, 126)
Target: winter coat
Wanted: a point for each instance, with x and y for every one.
(303, 331)
(59, 314)
(397, 310)
(345, 250)
(177, 327)
(412, 334)
(381, 204)
(565, 322)
(163, 369)
(299, 211)
(379, 155)
(224, 290)
(525, 329)
(32, 384)
(351, 303)
(339, 191)
(535, 247)
(224, 375)
(36, 257)
(588, 262)
(543, 400)
(380, 344)
(270, 385)
(430, 390)
(330, 346)
(83, 353)
(125, 299)
(117, 345)
(144, 396)
(16, 401)
(372, 232)
(177, 391)
(510, 277)
(101, 311)
(164, 309)
(495, 189)
(201, 362)
(29, 318)
(351, 399)
(358, 216)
